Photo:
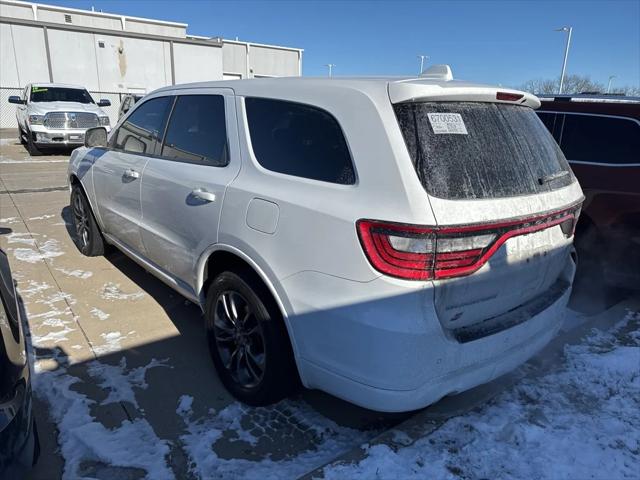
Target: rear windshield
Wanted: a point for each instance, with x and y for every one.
(481, 150)
(58, 94)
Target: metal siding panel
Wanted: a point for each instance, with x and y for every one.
(195, 63)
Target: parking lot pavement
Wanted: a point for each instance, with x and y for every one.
(123, 380)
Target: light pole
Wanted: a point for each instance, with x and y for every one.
(422, 57)
(611, 77)
(330, 65)
(566, 54)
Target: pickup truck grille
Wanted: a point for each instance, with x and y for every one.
(69, 120)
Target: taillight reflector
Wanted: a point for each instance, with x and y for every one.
(414, 252)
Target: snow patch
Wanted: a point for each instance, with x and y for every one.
(81, 274)
(330, 439)
(22, 238)
(48, 249)
(111, 291)
(119, 382)
(99, 314)
(33, 288)
(81, 437)
(580, 421)
(41, 217)
(112, 342)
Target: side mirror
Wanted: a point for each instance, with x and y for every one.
(16, 99)
(95, 137)
(104, 102)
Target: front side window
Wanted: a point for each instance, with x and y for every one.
(600, 139)
(299, 140)
(197, 131)
(144, 127)
(59, 94)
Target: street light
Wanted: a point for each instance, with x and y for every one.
(566, 54)
(611, 77)
(422, 57)
(330, 65)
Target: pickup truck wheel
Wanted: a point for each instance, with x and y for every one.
(87, 236)
(248, 341)
(33, 150)
(21, 135)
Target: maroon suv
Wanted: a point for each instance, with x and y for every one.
(600, 136)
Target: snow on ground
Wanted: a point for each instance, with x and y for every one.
(120, 384)
(329, 439)
(133, 444)
(111, 342)
(580, 421)
(111, 291)
(99, 314)
(81, 274)
(48, 249)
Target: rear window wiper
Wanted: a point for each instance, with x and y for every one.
(552, 177)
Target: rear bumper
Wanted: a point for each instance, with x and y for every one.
(391, 353)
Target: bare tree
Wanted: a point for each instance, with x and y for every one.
(573, 84)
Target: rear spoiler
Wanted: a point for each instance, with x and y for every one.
(438, 85)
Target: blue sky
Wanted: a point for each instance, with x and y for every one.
(505, 42)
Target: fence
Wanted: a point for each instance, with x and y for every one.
(8, 110)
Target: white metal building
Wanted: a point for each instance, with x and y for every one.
(114, 54)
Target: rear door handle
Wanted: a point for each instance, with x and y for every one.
(131, 173)
(203, 194)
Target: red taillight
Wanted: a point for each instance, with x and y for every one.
(414, 252)
(510, 97)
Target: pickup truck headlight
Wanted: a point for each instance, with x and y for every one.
(36, 119)
(104, 121)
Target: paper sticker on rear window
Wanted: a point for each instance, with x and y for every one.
(38, 89)
(447, 123)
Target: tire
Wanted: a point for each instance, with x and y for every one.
(87, 238)
(32, 148)
(262, 371)
(21, 135)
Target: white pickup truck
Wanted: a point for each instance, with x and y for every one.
(55, 114)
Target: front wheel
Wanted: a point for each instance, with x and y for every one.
(248, 341)
(32, 148)
(87, 236)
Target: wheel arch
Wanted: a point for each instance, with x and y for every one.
(222, 257)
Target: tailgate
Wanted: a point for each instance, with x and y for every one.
(492, 171)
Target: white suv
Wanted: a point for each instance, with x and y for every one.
(386, 241)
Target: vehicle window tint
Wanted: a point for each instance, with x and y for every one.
(298, 140)
(600, 139)
(504, 151)
(197, 132)
(144, 127)
(60, 94)
(552, 122)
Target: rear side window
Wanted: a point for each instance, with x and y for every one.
(197, 131)
(298, 140)
(600, 139)
(500, 150)
(144, 127)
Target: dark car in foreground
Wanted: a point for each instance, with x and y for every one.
(600, 137)
(19, 447)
